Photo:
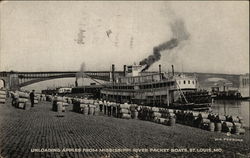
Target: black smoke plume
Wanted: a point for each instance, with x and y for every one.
(179, 34)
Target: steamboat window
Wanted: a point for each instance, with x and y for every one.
(161, 84)
(165, 84)
(184, 82)
(188, 82)
(193, 82)
(157, 85)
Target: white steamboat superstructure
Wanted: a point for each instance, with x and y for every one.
(157, 89)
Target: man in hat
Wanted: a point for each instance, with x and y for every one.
(32, 98)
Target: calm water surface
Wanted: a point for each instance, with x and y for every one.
(233, 107)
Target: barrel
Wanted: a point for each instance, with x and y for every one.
(203, 115)
(240, 119)
(124, 111)
(91, 110)
(63, 108)
(83, 105)
(171, 121)
(126, 116)
(22, 100)
(2, 92)
(171, 115)
(132, 107)
(35, 101)
(2, 100)
(207, 121)
(227, 126)
(136, 114)
(23, 94)
(236, 128)
(21, 105)
(221, 118)
(170, 110)
(82, 101)
(97, 110)
(235, 119)
(155, 109)
(27, 105)
(218, 127)
(85, 110)
(58, 98)
(2, 96)
(60, 108)
(124, 106)
(162, 120)
(242, 131)
(69, 101)
(211, 127)
(157, 114)
(195, 114)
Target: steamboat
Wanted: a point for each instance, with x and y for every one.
(168, 90)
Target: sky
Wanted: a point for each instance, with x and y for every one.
(42, 36)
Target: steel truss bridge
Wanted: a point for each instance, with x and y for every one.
(16, 80)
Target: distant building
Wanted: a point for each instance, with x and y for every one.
(244, 85)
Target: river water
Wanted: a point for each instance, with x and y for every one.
(233, 107)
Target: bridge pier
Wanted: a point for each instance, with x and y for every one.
(11, 81)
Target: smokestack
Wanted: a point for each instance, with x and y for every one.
(124, 69)
(160, 70)
(113, 72)
(76, 83)
(173, 70)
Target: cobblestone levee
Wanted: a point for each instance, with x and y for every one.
(23, 131)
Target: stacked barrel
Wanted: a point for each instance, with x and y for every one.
(85, 106)
(36, 98)
(233, 125)
(23, 100)
(169, 115)
(211, 122)
(2, 96)
(163, 116)
(145, 113)
(157, 115)
(76, 105)
(124, 111)
(58, 105)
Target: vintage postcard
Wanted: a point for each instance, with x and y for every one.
(124, 79)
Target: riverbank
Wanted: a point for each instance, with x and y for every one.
(39, 133)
